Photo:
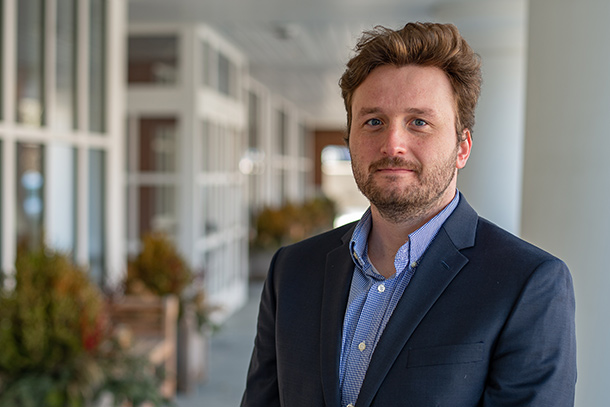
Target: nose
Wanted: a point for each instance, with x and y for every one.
(394, 141)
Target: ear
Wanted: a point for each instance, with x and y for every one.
(464, 147)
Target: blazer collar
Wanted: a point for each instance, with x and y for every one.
(337, 282)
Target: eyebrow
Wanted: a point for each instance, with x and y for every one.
(413, 110)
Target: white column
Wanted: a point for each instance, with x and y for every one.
(115, 171)
(566, 195)
(491, 181)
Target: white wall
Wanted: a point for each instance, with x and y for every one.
(566, 195)
(491, 181)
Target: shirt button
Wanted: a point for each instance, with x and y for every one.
(381, 288)
(362, 346)
(414, 264)
(350, 405)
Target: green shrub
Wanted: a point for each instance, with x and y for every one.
(55, 336)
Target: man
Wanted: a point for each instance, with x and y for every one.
(420, 303)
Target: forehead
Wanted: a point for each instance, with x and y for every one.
(406, 88)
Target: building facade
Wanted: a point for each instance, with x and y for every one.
(108, 132)
(61, 129)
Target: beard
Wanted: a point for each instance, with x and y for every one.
(399, 203)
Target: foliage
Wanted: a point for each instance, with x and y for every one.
(130, 377)
(159, 267)
(160, 270)
(290, 223)
(54, 331)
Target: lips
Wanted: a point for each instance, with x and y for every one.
(394, 164)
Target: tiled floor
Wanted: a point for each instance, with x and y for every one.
(230, 352)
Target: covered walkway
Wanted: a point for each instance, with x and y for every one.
(230, 352)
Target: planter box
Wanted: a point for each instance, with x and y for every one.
(193, 352)
(153, 322)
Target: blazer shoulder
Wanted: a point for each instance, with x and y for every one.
(490, 234)
(329, 239)
(497, 250)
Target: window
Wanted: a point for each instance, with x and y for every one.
(65, 80)
(1, 203)
(1, 84)
(253, 120)
(157, 209)
(281, 132)
(30, 193)
(158, 145)
(226, 75)
(97, 66)
(206, 53)
(30, 49)
(97, 215)
(61, 197)
(153, 59)
(153, 177)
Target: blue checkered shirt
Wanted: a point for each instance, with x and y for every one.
(372, 298)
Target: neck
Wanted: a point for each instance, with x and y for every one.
(387, 236)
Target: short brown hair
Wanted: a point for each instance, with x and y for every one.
(425, 44)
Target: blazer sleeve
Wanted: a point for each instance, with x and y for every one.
(534, 363)
(262, 379)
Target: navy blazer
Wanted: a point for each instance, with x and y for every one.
(487, 320)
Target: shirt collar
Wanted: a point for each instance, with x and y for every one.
(411, 251)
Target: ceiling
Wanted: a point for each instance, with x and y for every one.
(298, 48)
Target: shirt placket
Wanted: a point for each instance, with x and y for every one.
(366, 334)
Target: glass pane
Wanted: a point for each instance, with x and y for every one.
(97, 64)
(1, 231)
(211, 148)
(30, 97)
(281, 132)
(65, 115)
(153, 59)
(205, 64)
(30, 193)
(205, 146)
(253, 120)
(224, 75)
(61, 197)
(158, 210)
(303, 141)
(97, 215)
(1, 81)
(158, 145)
(212, 217)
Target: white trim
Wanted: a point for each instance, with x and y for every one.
(116, 16)
(82, 206)
(9, 224)
(7, 206)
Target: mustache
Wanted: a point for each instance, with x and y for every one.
(395, 162)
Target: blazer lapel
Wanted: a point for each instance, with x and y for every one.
(438, 267)
(337, 282)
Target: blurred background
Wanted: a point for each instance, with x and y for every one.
(219, 125)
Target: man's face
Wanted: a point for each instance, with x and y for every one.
(403, 144)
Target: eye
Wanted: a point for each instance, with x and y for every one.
(374, 122)
(419, 122)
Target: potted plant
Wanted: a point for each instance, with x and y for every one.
(277, 226)
(56, 347)
(160, 270)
